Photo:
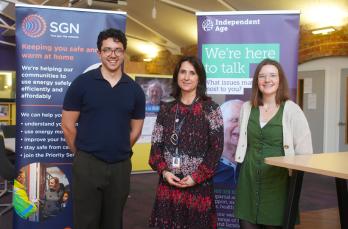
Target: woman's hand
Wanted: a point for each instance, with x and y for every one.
(172, 179)
(187, 182)
(175, 181)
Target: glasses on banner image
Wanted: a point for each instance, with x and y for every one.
(109, 51)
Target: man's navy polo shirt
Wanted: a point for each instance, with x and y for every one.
(105, 113)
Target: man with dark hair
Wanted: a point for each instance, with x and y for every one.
(109, 108)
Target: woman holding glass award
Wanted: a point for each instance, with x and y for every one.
(187, 143)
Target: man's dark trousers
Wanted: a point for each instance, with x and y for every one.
(100, 191)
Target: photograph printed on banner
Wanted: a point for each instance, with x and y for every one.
(227, 171)
(157, 90)
(41, 191)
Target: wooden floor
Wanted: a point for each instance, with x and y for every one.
(320, 219)
(318, 203)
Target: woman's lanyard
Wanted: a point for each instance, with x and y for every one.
(174, 138)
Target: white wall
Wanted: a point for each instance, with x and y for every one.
(332, 67)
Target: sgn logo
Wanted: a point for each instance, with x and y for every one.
(64, 28)
(34, 25)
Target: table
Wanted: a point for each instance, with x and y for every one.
(327, 164)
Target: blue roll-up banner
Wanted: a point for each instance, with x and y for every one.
(54, 46)
(231, 44)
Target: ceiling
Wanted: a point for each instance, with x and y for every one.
(174, 26)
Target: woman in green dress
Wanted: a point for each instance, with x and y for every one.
(270, 125)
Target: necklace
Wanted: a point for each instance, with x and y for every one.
(174, 138)
(269, 108)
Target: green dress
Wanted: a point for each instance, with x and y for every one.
(262, 189)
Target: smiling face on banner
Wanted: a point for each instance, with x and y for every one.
(230, 113)
(154, 93)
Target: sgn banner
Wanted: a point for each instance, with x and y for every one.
(54, 46)
(231, 44)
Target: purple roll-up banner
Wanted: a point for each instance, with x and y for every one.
(231, 44)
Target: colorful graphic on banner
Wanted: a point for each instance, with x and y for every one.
(54, 45)
(231, 44)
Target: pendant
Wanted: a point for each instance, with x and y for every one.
(176, 159)
(177, 120)
(176, 162)
(174, 139)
